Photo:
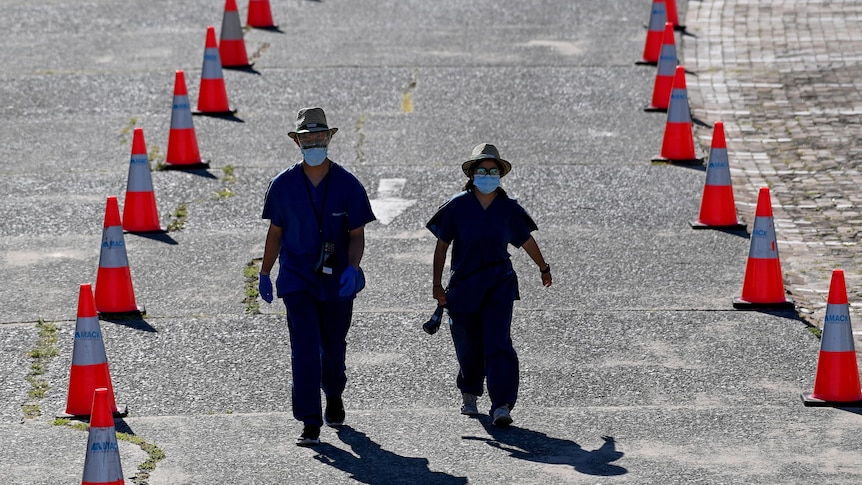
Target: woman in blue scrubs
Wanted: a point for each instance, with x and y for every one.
(317, 212)
(479, 223)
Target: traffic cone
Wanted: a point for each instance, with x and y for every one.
(102, 463)
(667, 63)
(139, 208)
(652, 46)
(763, 286)
(836, 382)
(260, 15)
(673, 15)
(183, 152)
(231, 47)
(115, 296)
(89, 369)
(212, 98)
(678, 143)
(717, 207)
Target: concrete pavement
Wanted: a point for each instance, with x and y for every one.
(635, 367)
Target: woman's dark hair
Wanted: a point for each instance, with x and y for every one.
(469, 185)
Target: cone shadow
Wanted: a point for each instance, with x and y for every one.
(226, 115)
(249, 69)
(157, 236)
(274, 28)
(540, 448)
(741, 231)
(120, 426)
(136, 323)
(200, 172)
(786, 310)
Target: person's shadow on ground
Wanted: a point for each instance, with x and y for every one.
(376, 465)
(538, 447)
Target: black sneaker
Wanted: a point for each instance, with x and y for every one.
(310, 436)
(334, 414)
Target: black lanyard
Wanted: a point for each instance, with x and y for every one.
(318, 216)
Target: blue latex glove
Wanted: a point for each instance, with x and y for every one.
(264, 287)
(352, 282)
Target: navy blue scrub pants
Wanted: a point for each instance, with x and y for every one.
(483, 345)
(318, 347)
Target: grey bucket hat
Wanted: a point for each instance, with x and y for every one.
(484, 151)
(310, 120)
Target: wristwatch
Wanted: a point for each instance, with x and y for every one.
(546, 270)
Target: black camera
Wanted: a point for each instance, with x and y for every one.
(431, 326)
(326, 260)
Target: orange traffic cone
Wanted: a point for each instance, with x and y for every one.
(114, 293)
(102, 464)
(673, 15)
(717, 207)
(763, 286)
(183, 152)
(836, 382)
(139, 209)
(231, 47)
(260, 15)
(212, 98)
(667, 63)
(678, 143)
(89, 362)
(652, 47)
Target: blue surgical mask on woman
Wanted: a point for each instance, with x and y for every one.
(486, 183)
(314, 156)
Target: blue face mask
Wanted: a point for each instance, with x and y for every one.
(314, 156)
(486, 183)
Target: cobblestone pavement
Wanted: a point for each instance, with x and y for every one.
(784, 77)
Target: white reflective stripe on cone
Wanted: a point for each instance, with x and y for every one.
(658, 16)
(88, 348)
(113, 253)
(763, 244)
(140, 179)
(678, 111)
(837, 332)
(230, 26)
(718, 169)
(181, 115)
(102, 464)
(667, 60)
(212, 64)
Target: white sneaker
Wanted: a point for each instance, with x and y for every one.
(469, 408)
(501, 416)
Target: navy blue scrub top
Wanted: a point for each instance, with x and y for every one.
(479, 238)
(336, 206)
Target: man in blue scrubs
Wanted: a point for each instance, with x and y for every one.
(317, 212)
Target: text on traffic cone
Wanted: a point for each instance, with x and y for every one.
(102, 463)
(114, 292)
(763, 284)
(717, 206)
(837, 377)
(182, 141)
(655, 30)
(212, 98)
(678, 141)
(89, 369)
(665, 72)
(140, 213)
